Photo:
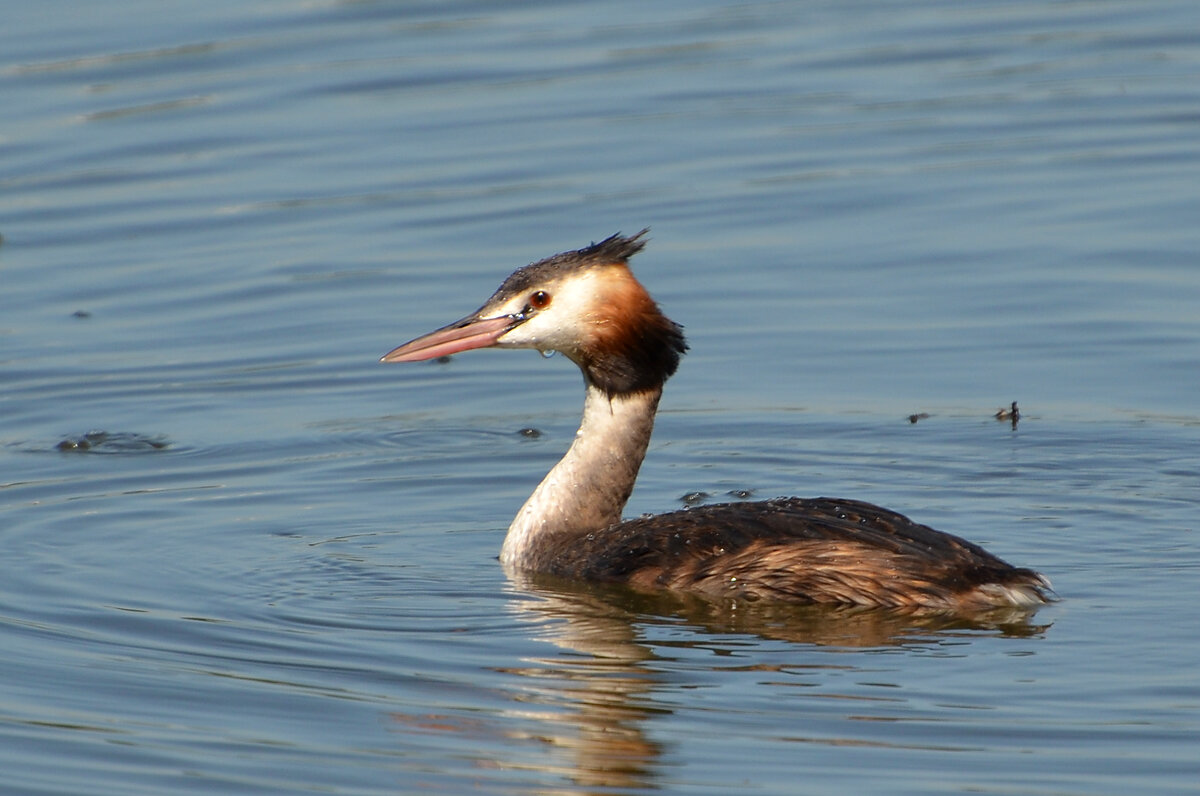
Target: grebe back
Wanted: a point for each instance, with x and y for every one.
(587, 305)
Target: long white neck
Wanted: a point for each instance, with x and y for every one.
(588, 488)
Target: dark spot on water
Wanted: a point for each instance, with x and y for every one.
(740, 494)
(112, 442)
(918, 416)
(692, 498)
(442, 360)
(81, 314)
(530, 433)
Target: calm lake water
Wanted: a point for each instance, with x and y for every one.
(239, 555)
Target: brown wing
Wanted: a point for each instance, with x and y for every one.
(818, 550)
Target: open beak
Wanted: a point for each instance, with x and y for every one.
(462, 335)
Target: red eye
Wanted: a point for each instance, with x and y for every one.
(540, 300)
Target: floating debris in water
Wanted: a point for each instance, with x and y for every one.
(1012, 414)
(81, 314)
(112, 442)
(918, 416)
(530, 433)
(740, 494)
(692, 498)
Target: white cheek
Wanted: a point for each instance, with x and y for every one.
(562, 325)
(542, 331)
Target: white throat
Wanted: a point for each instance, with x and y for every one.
(588, 488)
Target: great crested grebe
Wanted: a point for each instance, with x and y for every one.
(588, 305)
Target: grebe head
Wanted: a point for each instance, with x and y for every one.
(585, 304)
